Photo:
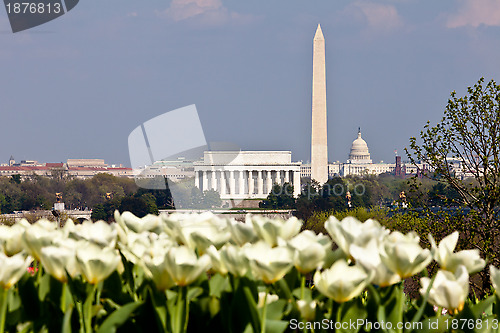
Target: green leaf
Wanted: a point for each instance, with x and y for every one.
(44, 287)
(352, 311)
(118, 318)
(433, 325)
(481, 307)
(66, 327)
(276, 326)
(217, 284)
(152, 312)
(274, 310)
(29, 297)
(391, 307)
(193, 293)
(307, 293)
(254, 311)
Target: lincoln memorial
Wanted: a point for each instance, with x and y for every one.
(246, 174)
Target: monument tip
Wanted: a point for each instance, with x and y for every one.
(319, 33)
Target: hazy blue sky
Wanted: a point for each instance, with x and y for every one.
(77, 86)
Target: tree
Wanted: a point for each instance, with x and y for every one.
(280, 197)
(469, 132)
(16, 178)
(211, 199)
(137, 206)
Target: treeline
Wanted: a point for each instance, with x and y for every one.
(102, 194)
(39, 193)
(340, 194)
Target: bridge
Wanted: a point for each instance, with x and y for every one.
(39, 214)
(82, 215)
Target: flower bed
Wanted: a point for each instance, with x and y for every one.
(185, 272)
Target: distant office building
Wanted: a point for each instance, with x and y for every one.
(86, 162)
(76, 168)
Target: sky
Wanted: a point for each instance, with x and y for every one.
(77, 86)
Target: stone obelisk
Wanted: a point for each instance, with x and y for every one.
(319, 146)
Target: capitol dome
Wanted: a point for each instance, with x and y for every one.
(359, 151)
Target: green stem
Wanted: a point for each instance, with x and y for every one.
(39, 270)
(63, 297)
(98, 294)
(420, 311)
(186, 310)
(264, 310)
(302, 286)
(4, 293)
(87, 309)
(78, 306)
(181, 312)
(339, 313)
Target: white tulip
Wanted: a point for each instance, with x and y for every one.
(97, 263)
(11, 238)
(69, 226)
(268, 264)
(242, 233)
(351, 231)
(100, 233)
(342, 282)
(309, 250)
(269, 230)
(136, 224)
(40, 234)
(368, 256)
(449, 260)
(234, 259)
(449, 290)
(495, 279)
(307, 309)
(403, 255)
(267, 298)
(133, 245)
(204, 237)
(217, 264)
(209, 229)
(12, 269)
(57, 260)
(184, 266)
(155, 262)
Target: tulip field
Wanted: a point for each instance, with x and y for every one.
(202, 273)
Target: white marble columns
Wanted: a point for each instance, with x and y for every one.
(250, 183)
(245, 183)
(260, 183)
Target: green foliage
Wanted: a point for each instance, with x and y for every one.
(280, 197)
(211, 199)
(470, 133)
(187, 196)
(317, 220)
(16, 178)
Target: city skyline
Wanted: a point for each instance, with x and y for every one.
(76, 86)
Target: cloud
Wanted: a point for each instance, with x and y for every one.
(377, 16)
(474, 13)
(206, 12)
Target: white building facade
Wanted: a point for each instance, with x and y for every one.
(246, 174)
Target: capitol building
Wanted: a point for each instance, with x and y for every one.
(359, 163)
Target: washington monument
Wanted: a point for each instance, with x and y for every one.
(319, 146)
